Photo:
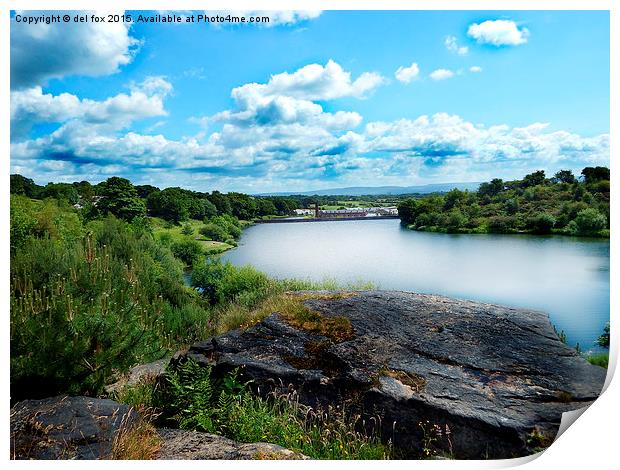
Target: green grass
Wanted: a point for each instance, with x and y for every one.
(193, 400)
(163, 229)
(599, 359)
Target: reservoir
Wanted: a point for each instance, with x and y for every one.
(566, 277)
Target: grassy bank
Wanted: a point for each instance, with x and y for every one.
(189, 230)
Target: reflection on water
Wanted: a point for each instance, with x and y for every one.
(565, 277)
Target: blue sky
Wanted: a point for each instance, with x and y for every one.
(314, 100)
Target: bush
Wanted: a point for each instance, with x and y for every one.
(501, 224)
(222, 282)
(189, 251)
(588, 222)
(214, 232)
(187, 230)
(540, 223)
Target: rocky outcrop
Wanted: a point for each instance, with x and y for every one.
(186, 445)
(140, 373)
(85, 428)
(67, 427)
(473, 379)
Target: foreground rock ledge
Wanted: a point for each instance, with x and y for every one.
(498, 377)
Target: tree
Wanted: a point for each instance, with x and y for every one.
(266, 207)
(119, 197)
(221, 202)
(594, 174)
(565, 176)
(145, 190)
(64, 191)
(453, 198)
(533, 179)
(188, 251)
(169, 204)
(603, 340)
(243, 206)
(408, 210)
(493, 188)
(25, 186)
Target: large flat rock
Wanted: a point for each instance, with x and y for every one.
(497, 379)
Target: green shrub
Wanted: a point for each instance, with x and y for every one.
(189, 251)
(223, 282)
(603, 340)
(541, 223)
(588, 222)
(214, 232)
(187, 230)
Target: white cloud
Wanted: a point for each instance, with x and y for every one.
(441, 74)
(41, 52)
(31, 106)
(453, 46)
(311, 82)
(475, 69)
(407, 74)
(498, 33)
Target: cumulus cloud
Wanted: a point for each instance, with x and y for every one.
(498, 33)
(441, 74)
(311, 82)
(32, 106)
(452, 45)
(407, 74)
(475, 69)
(41, 52)
(278, 136)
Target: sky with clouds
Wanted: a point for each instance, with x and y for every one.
(312, 100)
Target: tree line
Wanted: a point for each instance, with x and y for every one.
(118, 196)
(561, 204)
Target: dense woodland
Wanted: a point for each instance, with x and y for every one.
(562, 204)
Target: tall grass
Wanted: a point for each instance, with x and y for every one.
(193, 400)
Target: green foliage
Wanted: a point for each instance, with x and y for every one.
(214, 232)
(565, 176)
(599, 359)
(603, 340)
(594, 174)
(188, 250)
(25, 186)
(537, 205)
(120, 198)
(588, 222)
(194, 400)
(187, 230)
(90, 300)
(222, 282)
(541, 223)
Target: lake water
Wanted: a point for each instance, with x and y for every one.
(566, 277)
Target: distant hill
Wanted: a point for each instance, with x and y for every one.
(380, 190)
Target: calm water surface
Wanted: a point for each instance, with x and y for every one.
(566, 277)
